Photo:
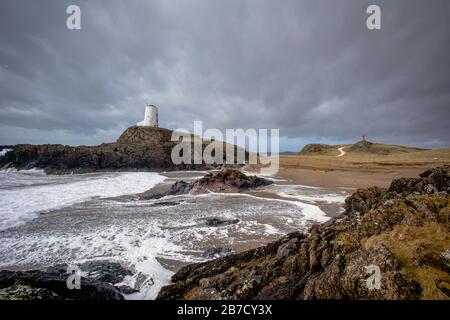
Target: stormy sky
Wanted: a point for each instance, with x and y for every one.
(310, 68)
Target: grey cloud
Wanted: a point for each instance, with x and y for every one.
(310, 68)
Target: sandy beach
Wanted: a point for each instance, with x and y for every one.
(350, 172)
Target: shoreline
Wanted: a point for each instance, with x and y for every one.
(163, 186)
(344, 179)
(358, 170)
(243, 242)
(330, 260)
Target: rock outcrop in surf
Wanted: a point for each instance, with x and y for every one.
(402, 231)
(224, 180)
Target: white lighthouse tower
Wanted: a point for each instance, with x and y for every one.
(150, 117)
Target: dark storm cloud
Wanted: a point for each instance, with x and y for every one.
(310, 68)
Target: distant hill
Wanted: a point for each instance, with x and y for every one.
(379, 148)
(359, 147)
(317, 149)
(288, 153)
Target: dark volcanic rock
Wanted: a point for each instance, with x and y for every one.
(402, 230)
(126, 289)
(21, 292)
(59, 159)
(145, 136)
(217, 222)
(166, 203)
(37, 284)
(180, 187)
(100, 270)
(216, 252)
(138, 148)
(225, 180)
(8, 157)
(105, 271)
(96, 283)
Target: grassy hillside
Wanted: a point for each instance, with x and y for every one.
(364, 146)
(366, 160)
(361, 147)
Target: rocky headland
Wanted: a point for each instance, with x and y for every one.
(403, 230)
(138, 148)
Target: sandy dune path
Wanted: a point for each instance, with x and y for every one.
(342, 152)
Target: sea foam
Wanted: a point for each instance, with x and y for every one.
(26, 194)
(4, 151)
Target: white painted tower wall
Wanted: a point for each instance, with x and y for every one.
(150, 117)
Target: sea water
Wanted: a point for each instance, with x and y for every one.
(47, 220)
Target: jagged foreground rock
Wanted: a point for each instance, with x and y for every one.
(403, 230)
(51, 284)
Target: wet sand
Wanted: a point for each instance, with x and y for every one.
(345, 179)
(331, 210)
(358, 170)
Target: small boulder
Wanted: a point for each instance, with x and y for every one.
(217, 222)
(217, 252)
